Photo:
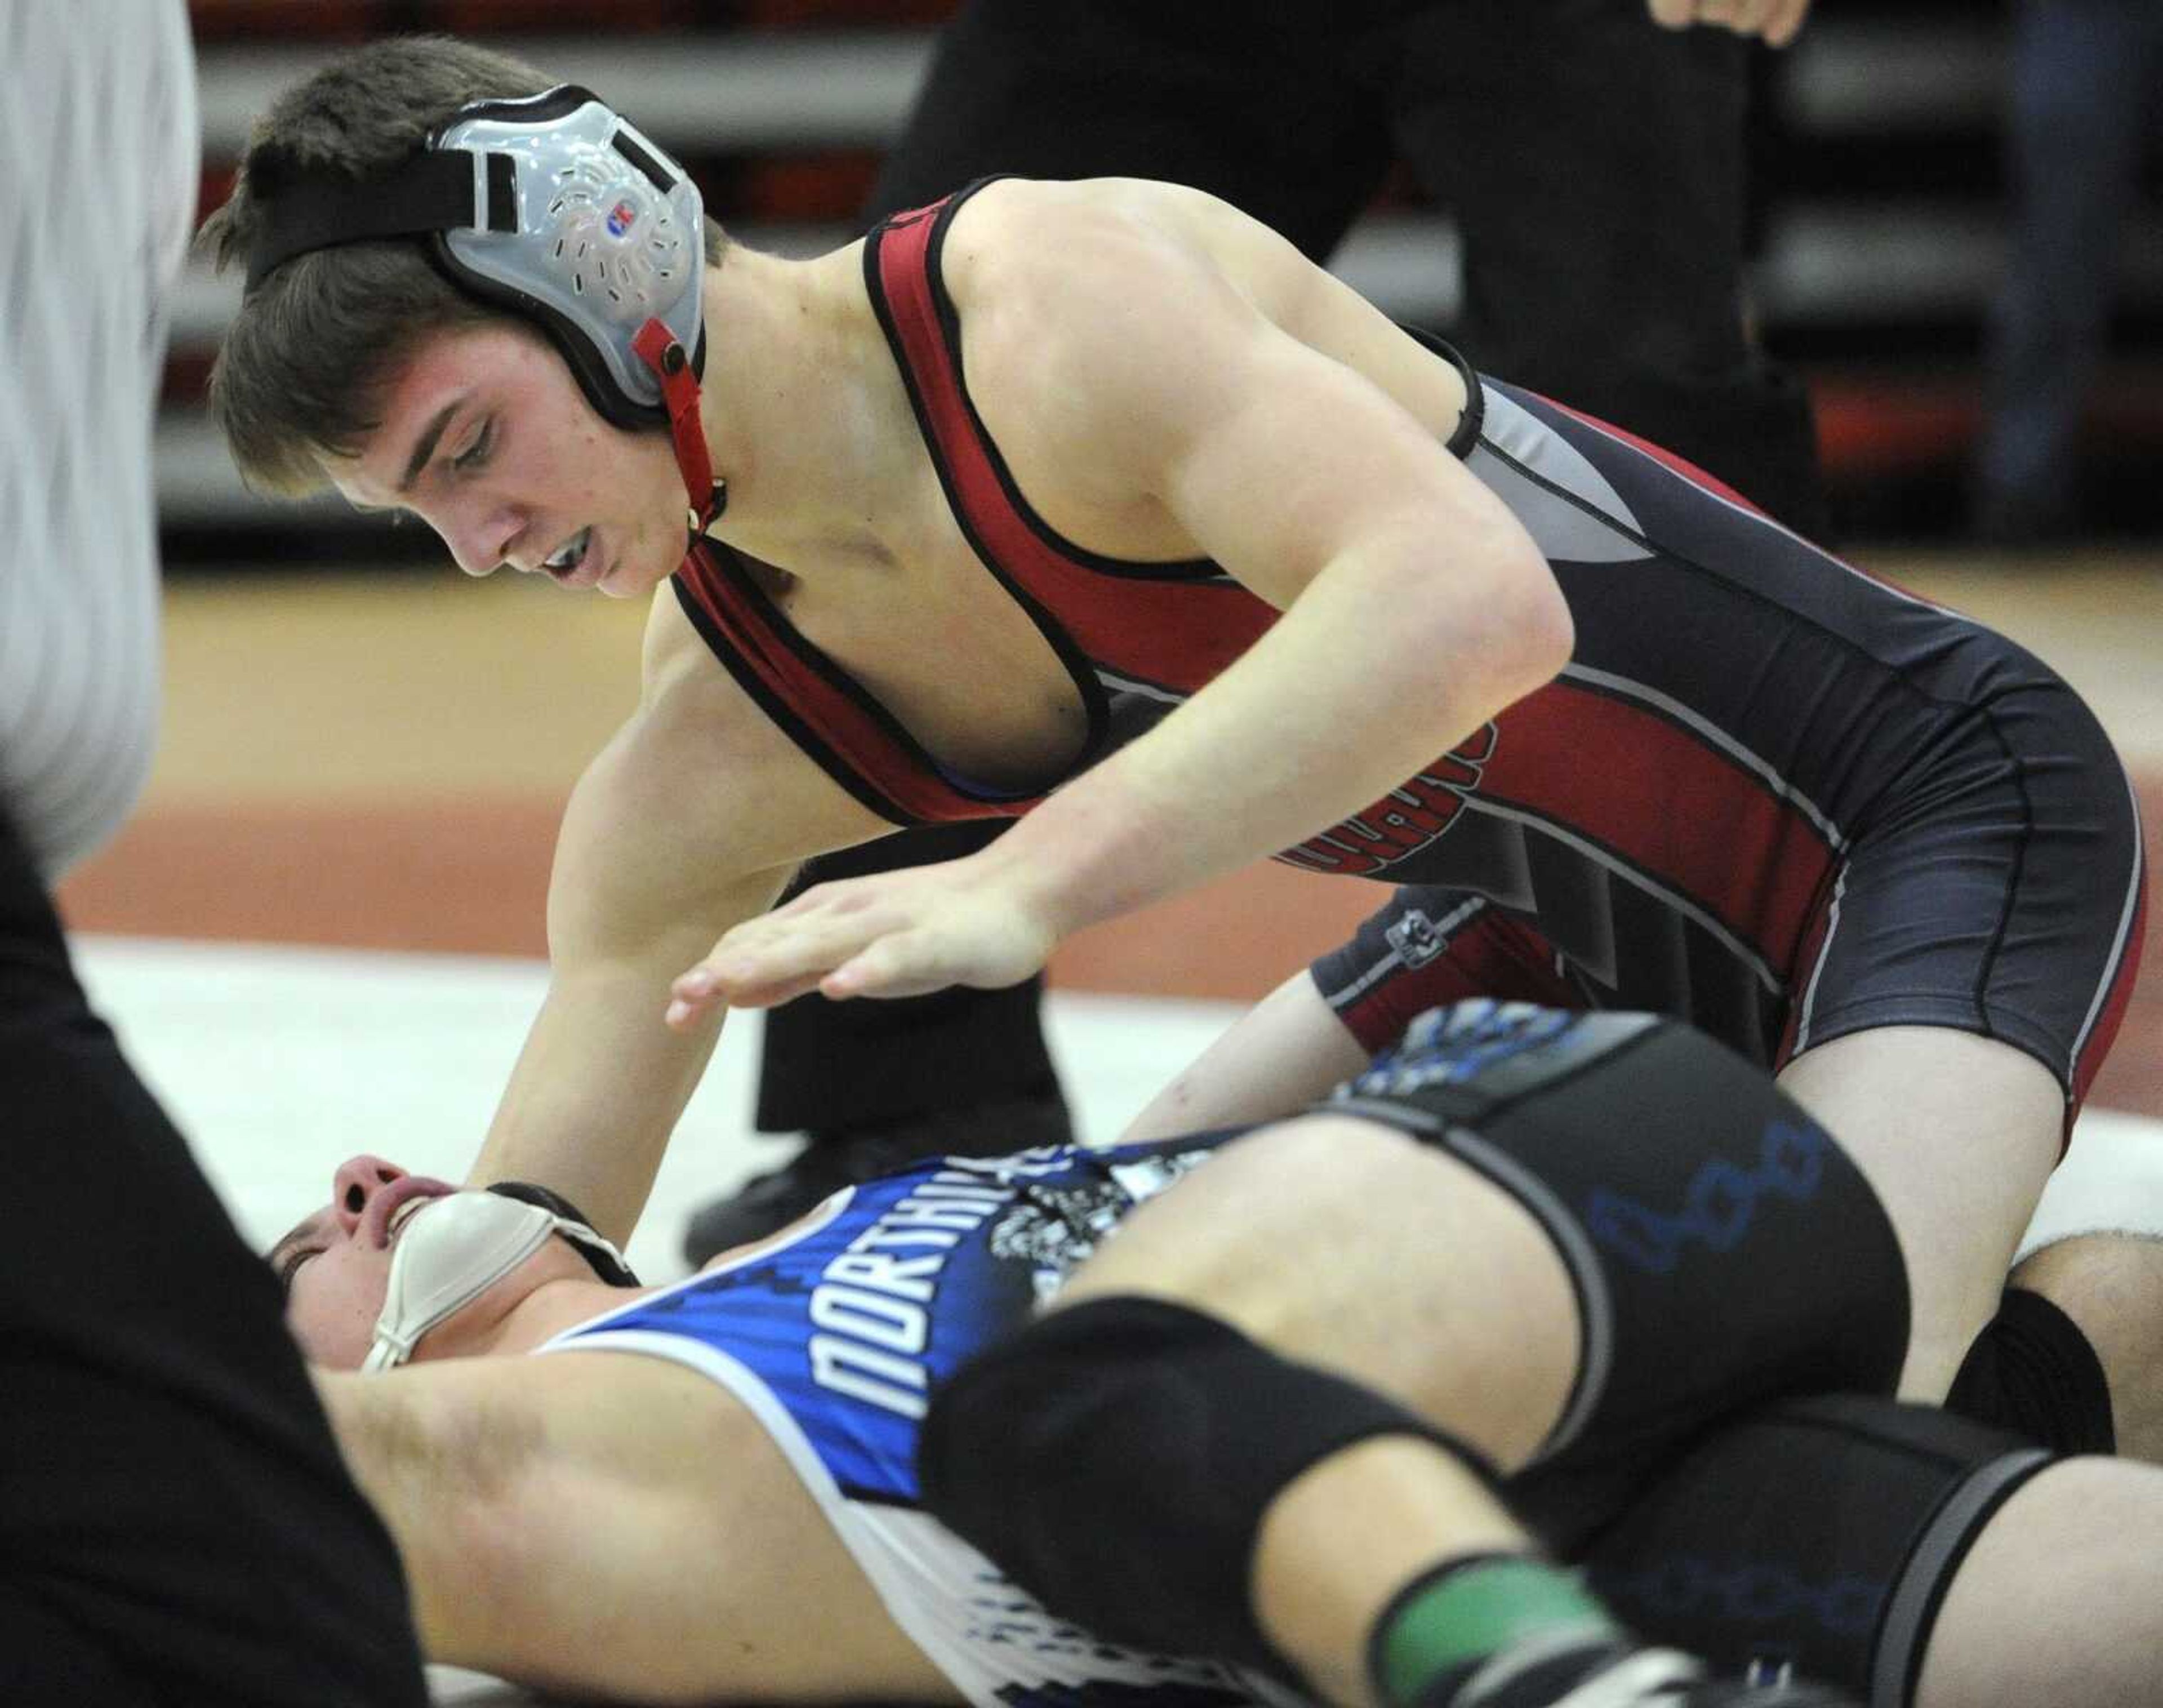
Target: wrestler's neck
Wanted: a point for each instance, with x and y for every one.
(805, 416)
(553, 1289)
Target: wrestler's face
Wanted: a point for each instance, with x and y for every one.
(336, 1265)
(487, 438)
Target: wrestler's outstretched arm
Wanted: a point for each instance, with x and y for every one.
(1284, 1054)
(691, 818)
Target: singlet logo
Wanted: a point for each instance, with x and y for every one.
(621, 217)
(1416, 938)
(1719, 1205)
(1404, 820)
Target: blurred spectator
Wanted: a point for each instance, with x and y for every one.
(2085, 76)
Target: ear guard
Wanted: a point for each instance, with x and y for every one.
(558, 209)
(457, 1248)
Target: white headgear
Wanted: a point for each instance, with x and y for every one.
(456, 1247)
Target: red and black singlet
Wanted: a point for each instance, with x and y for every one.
(1731, 804)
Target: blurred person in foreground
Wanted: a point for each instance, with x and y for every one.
(2086, 84)
(177, 1526)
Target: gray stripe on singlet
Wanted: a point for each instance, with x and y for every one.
(1915, 1600)
(2125, 930)
(1808, 1012)
(1450, 922)
(1148, 690)
(1515, 447)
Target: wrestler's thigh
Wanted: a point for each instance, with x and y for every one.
(1957, 1134)
(2060, 1599)
(1343, 1243)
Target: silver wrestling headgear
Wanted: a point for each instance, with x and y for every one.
(558, 208)
(456, 1247)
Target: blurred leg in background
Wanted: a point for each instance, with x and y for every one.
(2087, 82)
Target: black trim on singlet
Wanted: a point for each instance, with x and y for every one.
(1080, 668)
(1855, 825)
(950, 325)
(807, 740)
(1466, 433)
(725, 561)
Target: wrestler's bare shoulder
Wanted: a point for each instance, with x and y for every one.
(1062, 282)
(1016, 228)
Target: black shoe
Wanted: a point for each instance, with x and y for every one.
(831, 1161)
(1624, 1676)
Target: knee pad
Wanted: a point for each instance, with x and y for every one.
(1724, 1248)
(1820, 1534)
(2031, 1370)
(1115, 1460)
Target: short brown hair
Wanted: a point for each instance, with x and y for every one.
(304, 366)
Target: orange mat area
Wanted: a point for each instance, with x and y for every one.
(471, 877)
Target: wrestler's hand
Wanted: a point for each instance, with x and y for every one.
(1776, 20)
(894, 934)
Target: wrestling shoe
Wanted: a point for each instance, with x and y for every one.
(831, 1161)
(1536, 1674)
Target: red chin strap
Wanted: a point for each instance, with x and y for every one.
(658, 348)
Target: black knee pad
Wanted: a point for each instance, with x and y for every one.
(1822, 1534)
(1724, 1249)
(1115, 1460)
(2031, 1370)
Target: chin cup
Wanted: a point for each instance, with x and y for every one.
(455, 1249)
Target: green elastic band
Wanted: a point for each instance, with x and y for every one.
(1469, 1610)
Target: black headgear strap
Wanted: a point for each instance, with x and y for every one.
(616, 1273)
(431, 192)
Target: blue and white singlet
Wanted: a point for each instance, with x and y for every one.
(834, 1339)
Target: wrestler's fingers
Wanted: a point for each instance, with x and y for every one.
(1748, 17)
(687, 1008)
(902, 964)
(1786, 21)
(1673, 14)
(756, 966)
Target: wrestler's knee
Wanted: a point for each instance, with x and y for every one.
(1117, 1458)
(2083, 1334)
(1724, 1248)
